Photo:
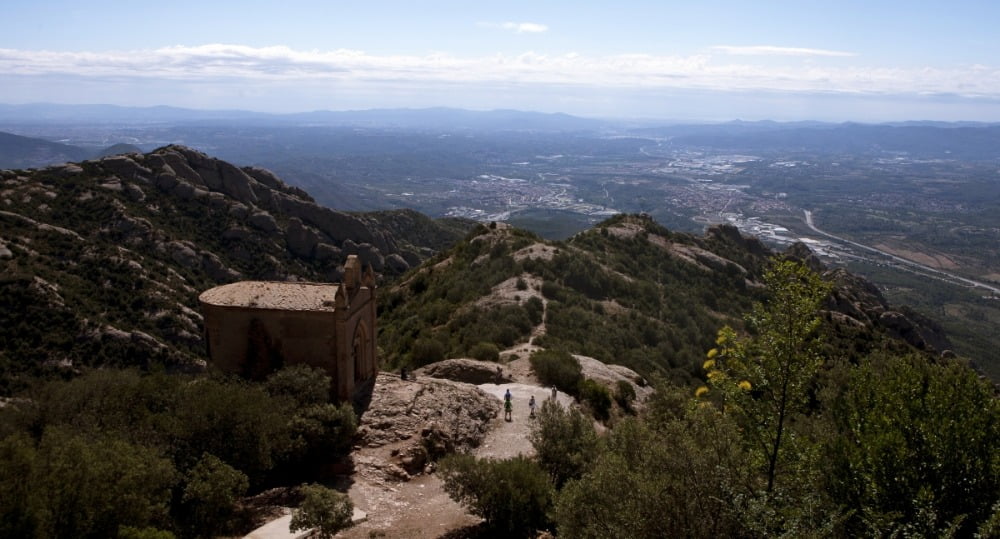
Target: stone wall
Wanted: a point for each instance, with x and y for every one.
(340, 338)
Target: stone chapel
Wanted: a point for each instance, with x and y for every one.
(254, 328)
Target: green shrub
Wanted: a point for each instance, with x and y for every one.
(426, 351)
(323, 509)
(307, 385)
(597, 396)
(210, 495)
(535, 309)
(557, 368)
(513, 496)
(624, 395)
(565, 441)
(321, 431)
(485, 351)
(553, 291)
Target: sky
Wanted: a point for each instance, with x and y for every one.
(868, 61)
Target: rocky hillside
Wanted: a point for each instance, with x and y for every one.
(626, 292)
(103, 261)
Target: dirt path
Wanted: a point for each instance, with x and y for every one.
(510, 438)
(401, 505)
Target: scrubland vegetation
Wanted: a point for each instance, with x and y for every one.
(119, 453)
(781, 441)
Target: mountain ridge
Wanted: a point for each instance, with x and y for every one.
(103, 260)
(627, 292)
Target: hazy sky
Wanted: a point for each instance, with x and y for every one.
(713, 60)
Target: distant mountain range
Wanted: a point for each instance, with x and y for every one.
(29, 152)
(440, 118)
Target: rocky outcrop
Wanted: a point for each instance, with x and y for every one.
(470, 371)
(301, 239)
(802, 253)
(269, 205)
(611, 375)
(419, 421)
(861, 301)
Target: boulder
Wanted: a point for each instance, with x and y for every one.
(124, 167)
(238, 234)
(326, 252)
(396, 263)
(239, 210)
(301, 240)
(166, 181)
(470, 371)
(262, 220)
(179, 166)
(134, 192)
(218, 271)
(183, 253)
(446, 414)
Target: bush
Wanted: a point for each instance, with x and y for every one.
(513, 496)
(324, 509)
(557, 368)
(426, 351)
(210, 495)
(485, 351)
(565, 442)
(553, 291)
(598, 397)
(320, 432)
(624, 395)
(307, 385)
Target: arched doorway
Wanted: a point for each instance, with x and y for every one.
(361, 354)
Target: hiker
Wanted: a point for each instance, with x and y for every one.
(499, 374)
(506, 396)
(531, 406)
(555, 392)
(508, 409)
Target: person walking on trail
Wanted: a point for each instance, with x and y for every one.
(508, 409)
(506, 396)
(531, 406)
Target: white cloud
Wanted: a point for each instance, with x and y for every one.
(283, 65)
(770, 50)
(517, 27)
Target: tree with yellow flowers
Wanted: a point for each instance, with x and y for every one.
(763, 377)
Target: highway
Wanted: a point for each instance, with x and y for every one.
(957, 279)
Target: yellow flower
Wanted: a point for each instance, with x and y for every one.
(700, 391)
(745, 385)
(713, 352)
(712, 375)
(708, 364)
(721, 339)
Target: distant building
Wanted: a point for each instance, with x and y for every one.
(254, 328)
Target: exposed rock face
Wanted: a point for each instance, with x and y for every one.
(861, 301)
(731, 234)
(610, 375)
(301, 239)
(259, 196)
(424, 419)
(802, 253)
